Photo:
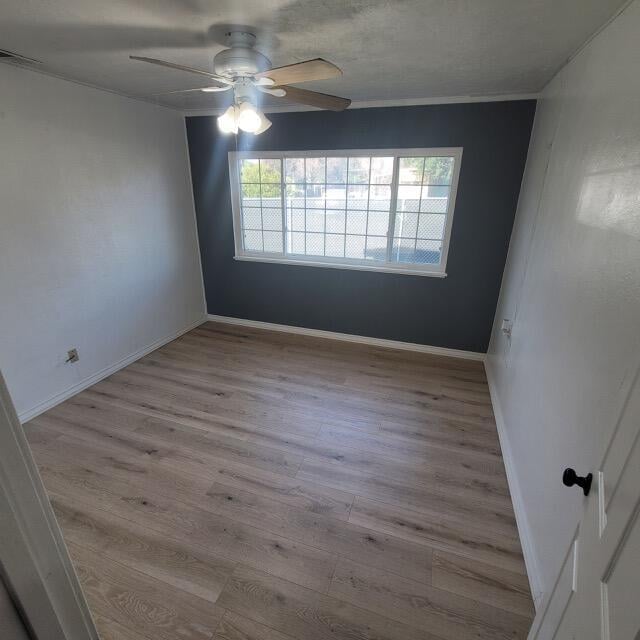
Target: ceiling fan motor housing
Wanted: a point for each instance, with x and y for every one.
(241, 59)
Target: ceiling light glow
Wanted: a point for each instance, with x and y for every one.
(228, 121)
(249, 119)
(245, 117)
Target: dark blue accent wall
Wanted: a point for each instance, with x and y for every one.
(456, 311)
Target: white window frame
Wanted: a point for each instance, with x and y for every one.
(436, 271)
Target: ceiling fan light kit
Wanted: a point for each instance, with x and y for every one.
(248, 72)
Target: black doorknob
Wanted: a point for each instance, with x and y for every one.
(569, 478)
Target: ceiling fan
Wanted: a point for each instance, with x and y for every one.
(245, 71)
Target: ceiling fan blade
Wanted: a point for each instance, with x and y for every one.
(11, 55)
(205, 89)
(317, 69)
(180, 67)
(315, 99)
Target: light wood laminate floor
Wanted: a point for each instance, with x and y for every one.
(240, 484)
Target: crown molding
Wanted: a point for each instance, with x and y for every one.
(357, 104)
(88, 85)
(367, 104)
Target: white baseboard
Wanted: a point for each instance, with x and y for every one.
(51, 402)
(348, 337)
(528, 550)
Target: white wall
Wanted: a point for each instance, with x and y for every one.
(98, 246)
(572, 286)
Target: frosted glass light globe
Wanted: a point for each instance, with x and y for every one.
(249, 118)
(228, 121)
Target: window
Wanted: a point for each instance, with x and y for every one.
(388, 210)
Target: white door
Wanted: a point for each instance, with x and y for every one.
(597, 596)
(34, 561)
(11, 625)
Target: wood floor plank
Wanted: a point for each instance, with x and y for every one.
(291, 491)
(165, 403)
(168, 397)
(109, 629)
(233, 352)
(423, 607)
(483, 582)
(179, 563)
(442, 432)
(452, 470)
(322, 532)
(39, 434)
(86, 459)
(485, 477)
(471, 540)
(448, 473)
(141, 603)
(415, 451)
(242, 484)
(335, 399)
(189, 472)
(494, 515)
(166, 440)
(306, 614)
(238, 426)
(111, 439)
(224, 448)
(217, 534)
(188, 366)
(236, 627)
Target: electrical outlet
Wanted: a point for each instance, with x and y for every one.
(72, 355)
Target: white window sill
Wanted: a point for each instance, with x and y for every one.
(332, 265)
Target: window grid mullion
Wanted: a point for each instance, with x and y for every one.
(424, 166)
(346, 207)
(304, 226)
(420, 212)
(282, 204)
(394, 206)
(261, 216)
(366, 224)
(324, 235)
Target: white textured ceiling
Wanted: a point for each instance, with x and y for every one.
(387, 49)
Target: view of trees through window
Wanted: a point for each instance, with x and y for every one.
(438, 170)
(254, 176)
